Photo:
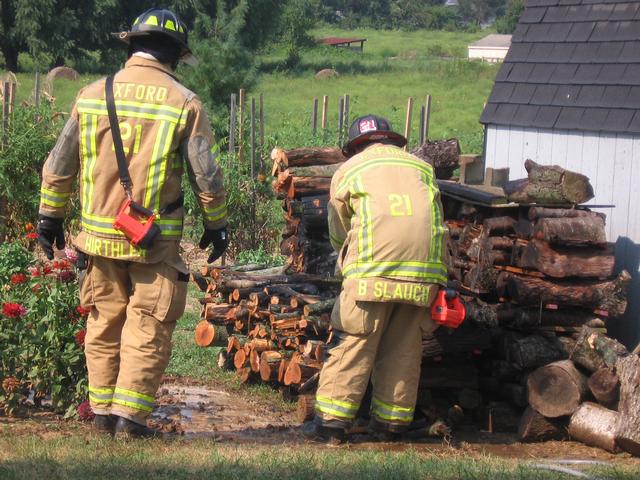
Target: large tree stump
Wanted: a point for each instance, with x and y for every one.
(594, 351)
(563, 262)
(628, 424)
(534, 427)
(594, 425)
(605, 387)
(607, 296)
(557, 389)
(552, 185)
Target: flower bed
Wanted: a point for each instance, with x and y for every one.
(42, 331)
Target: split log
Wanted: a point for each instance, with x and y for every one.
(594, 350)
(605, 387)
(299, 372)
(542, 212)
(551, 185)
(571, 231)
(209, 335)
(214, 311)
(254, 361)
(269, 365)
(241, 359)
(563, 262)
(536, 428)
(282, 369)
(607, 296)
(595, 425)
(627, 429)
(557, 389)
(235, 343)
(305, 409)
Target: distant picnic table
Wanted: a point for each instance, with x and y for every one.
(343, 42)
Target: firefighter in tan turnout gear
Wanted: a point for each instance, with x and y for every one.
(385, 220)
(136, 282)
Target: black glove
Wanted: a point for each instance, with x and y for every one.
(50, 229)
(220, 241)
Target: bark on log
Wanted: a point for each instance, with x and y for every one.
(534, 427)
(302, 157)
(627, 431)
(305, 409)
(605, 387)
(214, 311)
(533, 351)
(319, 307)
(562, 262)
(607, 296)
(594, 350)
(209, 335)
(308, 186)
(542, 212)
(549, 185)
(571, 231)
(314, 171)
(443, 155)
(595, 425)
(557, 389)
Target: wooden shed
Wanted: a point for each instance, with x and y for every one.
(568, 93)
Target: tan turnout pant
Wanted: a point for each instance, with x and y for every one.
(381, 342)
(134, 311)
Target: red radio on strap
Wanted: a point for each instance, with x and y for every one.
(447, 309)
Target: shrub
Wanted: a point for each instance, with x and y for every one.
(41, 332)
(32, 134)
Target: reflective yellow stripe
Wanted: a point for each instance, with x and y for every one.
(125, 108)
(135, 400)
(157, 166)
(423, 167)
(130, 404)
(53, 193)
(215, 213)
(365, 233)
(100, 224)
(88, 125)
(102, 391)
(131, 393)
(433, 271)
(51, 203)
(388, 411)
(336, 408)
(101, 395)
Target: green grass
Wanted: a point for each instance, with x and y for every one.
(82, 457)
(395, 66)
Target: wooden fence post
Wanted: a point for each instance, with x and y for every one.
(340, 119)
(314, 116)
(407, 125)
(347, 114)
(241, 126)
(232, 124)
(423, 111)
(253, 172)
(427, 119)
(5, 113)
(36, 93)
(261, 115)
(325, 108)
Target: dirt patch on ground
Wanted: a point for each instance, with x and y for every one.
(190, 410)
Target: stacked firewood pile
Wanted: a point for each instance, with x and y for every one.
(302, 181)
(272, 327)
(534, 356)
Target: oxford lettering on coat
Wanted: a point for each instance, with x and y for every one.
(139, 92)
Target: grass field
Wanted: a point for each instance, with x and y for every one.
(395, 66)
(80, 456)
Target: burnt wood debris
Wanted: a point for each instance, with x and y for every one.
(536, 275)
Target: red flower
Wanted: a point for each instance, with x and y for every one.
(85, 413)
(79, 336)
(31, 236)
(13, 310)
(82, 311)
(18, 278)
(34, 272)
(46, 269)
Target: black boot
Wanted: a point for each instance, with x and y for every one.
(318, 433)
(385, 432)
(126, 428)
(104, 424)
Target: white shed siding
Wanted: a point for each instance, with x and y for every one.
(612, 163)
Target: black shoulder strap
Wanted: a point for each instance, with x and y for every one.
(125, 178)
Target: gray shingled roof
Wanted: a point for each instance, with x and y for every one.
(572, 65)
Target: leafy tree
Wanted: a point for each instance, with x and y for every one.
(478, 11)
(509, 21)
